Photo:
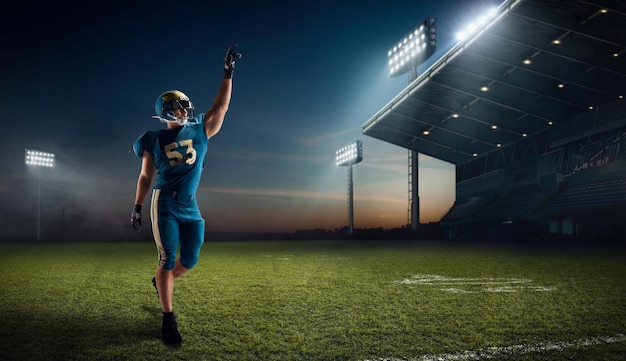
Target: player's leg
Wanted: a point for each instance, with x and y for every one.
(166, 239)
(191, 240)
(165, 287)
(179, 270)
(165, 284)
(166, 232)
(193, 234)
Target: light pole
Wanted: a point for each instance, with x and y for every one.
(348, 156)
(38, 159)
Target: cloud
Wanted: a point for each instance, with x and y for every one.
(268, 193)
(316, 140)
(339, 195)
(390, 165)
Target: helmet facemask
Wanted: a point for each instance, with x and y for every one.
(168, 102)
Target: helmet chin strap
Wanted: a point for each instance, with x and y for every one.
(179, 121)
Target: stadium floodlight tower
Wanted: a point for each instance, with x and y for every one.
(40, 160)
(412, 50)
(348, 156)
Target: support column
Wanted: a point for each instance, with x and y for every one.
(414, 200)
(350, 201)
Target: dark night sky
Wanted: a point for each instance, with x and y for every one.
(80, 80)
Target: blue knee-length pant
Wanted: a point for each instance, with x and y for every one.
(176, 221)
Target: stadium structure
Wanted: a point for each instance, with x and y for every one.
(530, 108)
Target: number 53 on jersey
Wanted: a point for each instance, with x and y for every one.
(173, 152)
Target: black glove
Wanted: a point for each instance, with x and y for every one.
(229, 61)
(135, 218)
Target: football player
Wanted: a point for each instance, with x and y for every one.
(176, 156)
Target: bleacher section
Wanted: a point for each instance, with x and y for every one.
(463, 209)
(581, 198)
(516, 206)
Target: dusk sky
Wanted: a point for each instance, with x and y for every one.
(81, 80)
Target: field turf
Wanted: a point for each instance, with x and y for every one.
(326, 300)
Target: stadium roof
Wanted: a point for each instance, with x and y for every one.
(535, 64)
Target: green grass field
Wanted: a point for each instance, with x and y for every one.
(341, 300)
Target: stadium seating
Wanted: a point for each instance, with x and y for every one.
(515, 206)
(580, 198)
(465, 208)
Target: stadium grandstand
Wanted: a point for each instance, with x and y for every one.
(530, 109)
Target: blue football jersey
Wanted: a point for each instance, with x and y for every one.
(178, 155)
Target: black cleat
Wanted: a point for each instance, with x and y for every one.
(155, 287)
(169, 331)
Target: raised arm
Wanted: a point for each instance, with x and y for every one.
(214, 117)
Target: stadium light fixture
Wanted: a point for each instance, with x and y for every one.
(474, 25)
(40, 160)
(413, 49)
(348, 156)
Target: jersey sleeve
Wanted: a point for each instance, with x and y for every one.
(143, 143)
(199, 118)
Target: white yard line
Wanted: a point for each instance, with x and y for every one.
(488, 284)
(493, 352)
